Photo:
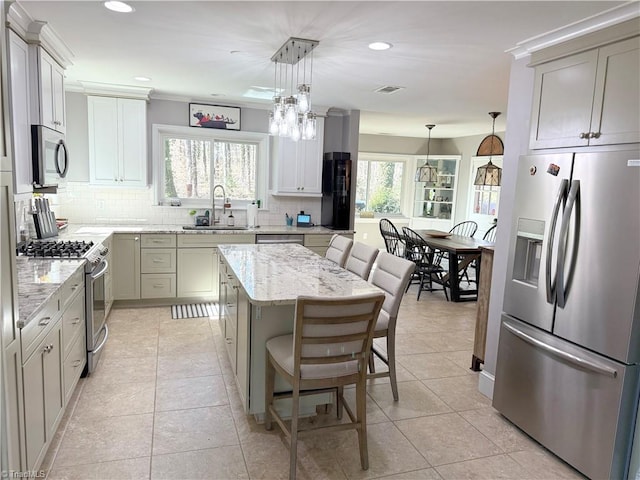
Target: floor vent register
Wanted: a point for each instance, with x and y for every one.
(193, 310)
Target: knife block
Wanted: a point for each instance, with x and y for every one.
(45, 223)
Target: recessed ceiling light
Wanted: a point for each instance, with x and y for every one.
(217, 94)
(142, 79)
(380, 46)
(116, 6)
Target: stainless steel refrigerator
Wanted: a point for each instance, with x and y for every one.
(568, 362)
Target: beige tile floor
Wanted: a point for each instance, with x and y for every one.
(163, 405)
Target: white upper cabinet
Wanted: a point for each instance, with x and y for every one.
(117, 141)
(590, 98)
(48, 106)
(20, 124)
(298, 165)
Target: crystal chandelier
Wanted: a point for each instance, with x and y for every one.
(490, 175)
(427, 173)
(291, 115)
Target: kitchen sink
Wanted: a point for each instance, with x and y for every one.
(213, 227)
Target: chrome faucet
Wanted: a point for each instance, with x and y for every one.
(213, 202)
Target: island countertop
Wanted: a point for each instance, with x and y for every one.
(276, 274)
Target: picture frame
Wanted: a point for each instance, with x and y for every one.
(214, 116)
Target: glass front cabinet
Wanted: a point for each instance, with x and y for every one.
(434, 202)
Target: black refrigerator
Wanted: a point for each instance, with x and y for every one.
(336, 190)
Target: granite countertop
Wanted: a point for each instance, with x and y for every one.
(38, 280)
(277, 274)
(100, 232)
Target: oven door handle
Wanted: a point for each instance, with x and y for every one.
(104, 340)
(101, 271)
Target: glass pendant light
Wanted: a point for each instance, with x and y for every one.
(292, 115)
(309, 126)
(427, 173)
(490, 175)
(296, 129)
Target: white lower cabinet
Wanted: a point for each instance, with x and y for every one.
(126, 266)
(73, 365)
(158, 265)
(198, 272)
(43, 395)
(54, 356)
(198, 263)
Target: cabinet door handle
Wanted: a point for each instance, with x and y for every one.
(228, 340)
(44, 321)
(76, 363)
(76, 321)
(594, 135)
(48, 348)
(157, 260)
(301, 188)
(584, 135)
(137, 238)
(158, 285)
(75, 287)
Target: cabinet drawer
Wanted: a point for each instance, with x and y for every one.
(158, 260)
(158, 285)
(72, 322)
(157, 240)
(73, 365)
(71, 287)
(41, 323)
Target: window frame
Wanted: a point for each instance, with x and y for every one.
(159, 132)
(405, 189)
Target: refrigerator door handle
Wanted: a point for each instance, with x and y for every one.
(574, 359)
(562, 250)
(551, 286)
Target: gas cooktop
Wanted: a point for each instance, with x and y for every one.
(55, 249)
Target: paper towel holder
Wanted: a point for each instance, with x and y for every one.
(252, 214)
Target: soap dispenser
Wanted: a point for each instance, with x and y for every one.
(231, 220)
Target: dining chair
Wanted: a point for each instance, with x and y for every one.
(338, 250)
(392, 274)
(328, 349)
(467, 228)
(417, 250)
(361, 258)
(490, 235)
(393, 241)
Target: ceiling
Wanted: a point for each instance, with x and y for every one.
(449, 56)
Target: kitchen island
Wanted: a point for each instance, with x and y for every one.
(259, 285)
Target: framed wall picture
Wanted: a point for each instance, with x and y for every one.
(214, 116)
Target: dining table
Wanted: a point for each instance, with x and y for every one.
(461, 251)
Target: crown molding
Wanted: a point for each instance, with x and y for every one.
(318, 110)
(110, 90)
(600, 21)
(37, 32)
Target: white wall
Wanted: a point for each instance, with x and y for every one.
(516, 143)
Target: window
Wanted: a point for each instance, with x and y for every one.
(379, 186)
(188, 164)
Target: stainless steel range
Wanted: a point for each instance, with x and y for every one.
(96, 266)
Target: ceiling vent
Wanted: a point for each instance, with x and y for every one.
(388, 89)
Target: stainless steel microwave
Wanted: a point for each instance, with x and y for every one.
(49, 156)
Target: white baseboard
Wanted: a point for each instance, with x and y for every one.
(485, 384)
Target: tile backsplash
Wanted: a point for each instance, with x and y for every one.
(82, 203)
